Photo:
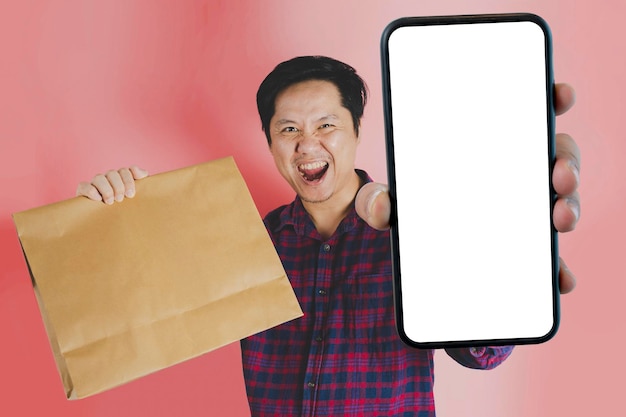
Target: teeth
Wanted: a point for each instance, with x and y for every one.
(313, 165)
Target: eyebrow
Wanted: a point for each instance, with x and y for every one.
(327, 117)
(284, 122)
(321, 119)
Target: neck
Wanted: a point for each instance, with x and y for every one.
(327, 215)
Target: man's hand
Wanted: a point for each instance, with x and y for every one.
(112, 186)
(373, 204)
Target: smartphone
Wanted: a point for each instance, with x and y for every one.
(469, 121)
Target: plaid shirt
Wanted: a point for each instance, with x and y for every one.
(343, 357)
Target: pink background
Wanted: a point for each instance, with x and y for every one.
(86, 86)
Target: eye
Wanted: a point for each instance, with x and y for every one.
(326, 126)
(289, 131)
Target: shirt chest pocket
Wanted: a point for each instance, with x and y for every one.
(368, 309)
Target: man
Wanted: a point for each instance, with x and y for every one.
(343, 357)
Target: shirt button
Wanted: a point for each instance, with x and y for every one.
(326, 247)
(321, 292)
(311, 384)
(319, 338)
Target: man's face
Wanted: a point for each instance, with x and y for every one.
(314, 142)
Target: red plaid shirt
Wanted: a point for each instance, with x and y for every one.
(344, 357)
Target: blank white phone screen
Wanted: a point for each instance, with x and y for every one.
(472, 166)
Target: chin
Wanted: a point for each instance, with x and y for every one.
(314, 197)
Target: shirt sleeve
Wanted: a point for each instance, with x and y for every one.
(480, 357)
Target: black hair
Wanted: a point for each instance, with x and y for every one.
(351, 86)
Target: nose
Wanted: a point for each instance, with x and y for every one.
(307, 142)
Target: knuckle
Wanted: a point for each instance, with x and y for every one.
(126, 175)
(93, 193)
(137, 172)
(83, 188)
(567, 147)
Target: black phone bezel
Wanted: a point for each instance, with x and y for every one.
(391, 174)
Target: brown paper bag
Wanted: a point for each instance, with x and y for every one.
(181, 269)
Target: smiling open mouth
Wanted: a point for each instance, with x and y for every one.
(313, 171)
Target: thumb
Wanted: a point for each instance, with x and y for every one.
(373, 205)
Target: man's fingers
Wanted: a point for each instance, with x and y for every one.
(567, 280)
(89, 191)
(373, 205)
(117, 184)
(128, 182)
(138, 173)
(129, 175)
(102, 184)
(564, 98)
(566, 213)
(565, 180)
(566, 173)
(565, 177)
(112, 186)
